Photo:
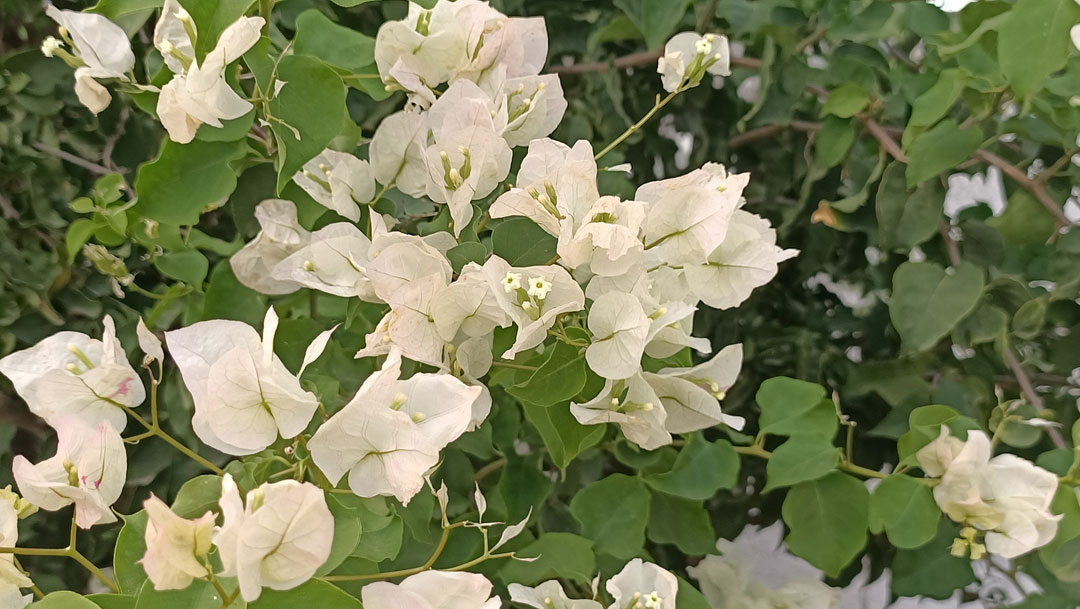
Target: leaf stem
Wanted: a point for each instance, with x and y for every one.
(660, 103)
(406, 572)
(154, 429)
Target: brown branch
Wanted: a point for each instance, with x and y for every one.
(71, 158)
(1035, 187)
(635, 59)
(883, 138)
(761, 133)
(950, 244)
(1030, 394)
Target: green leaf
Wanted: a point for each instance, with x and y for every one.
(189, 266)
(834, 140)
(315, 593)
(381, 535)
(936, 101)
(341, 47)
(563, 436)
(682, 523)
(117, 9)
(186, 179)
(521, 242)
(655, 19)
(1024, 221)
(78, 233)
(1033, 42)
(905, 509)
(559, 555)
(130, 548)
(229, 131)
(63, 599)
(211, 17)
(790, 407)
(701, 469)
(828, 520)
(1028, 320)
(112, 601)
(931, 570)
(926, 302)
(800, 459)
(846, 101)
(688, 597)
(227, 298)
(939, 149)
(198, 496)
(1062, 555)
(613, 512)
(313, 103)
(199, 595)
(561, 377)
(906, 218)
(924, 425)
(348, 526)
(464, 253)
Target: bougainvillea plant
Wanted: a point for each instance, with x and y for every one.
(459, 349)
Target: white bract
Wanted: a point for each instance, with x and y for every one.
(176, 548)
(338, 181)
(633, 405)
(548, 595)
(726, 581)
(643, 583)
(70, 373)
(11, 577)
(198, 92)
(432, 590)
(333, 261)
(101, 50)
(244, 396)
(277, 538)
(620, 329)
(533, 297)
(255, 265)
(88, 470)
(688, 56)
(606, 240)
(390, 434)
(556, 184)
(1006, 497)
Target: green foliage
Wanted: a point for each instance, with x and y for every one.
(828, 518)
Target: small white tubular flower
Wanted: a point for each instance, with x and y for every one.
(11, 577)
(748, 258)
(533, 315)
(390, 434)
(1006, 497)
(176, 547)
(648, 584)
(50, 45)
(555, 184)
(633, 406)
(333, 260)
(338, 181)
(88, 470)
(607, 240)
(70, 373)
(691, 395)
(172, 36)
(619, 327)
(432, 590)
(548, 595)
(244, 396)
(688, 56)
(278, 539)
(726, 581)
(397, 152)
(688, 216)
(103, 49)
(512, 282)
(281, 235)
(200, 94)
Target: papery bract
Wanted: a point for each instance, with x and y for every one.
(255, 265)
(633, 405)
(644, 582)
(432, 590)
(548, 595)
(11, 577)
(620, 329)
(176, 547)
(103, 48)
(338, 181)
(726, 581)
(689, 55)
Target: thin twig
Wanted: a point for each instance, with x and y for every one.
(768, 131)
(636, 59)
(1035, 187)
(883, 138)
(1030, 394)
(71, 158)
(950, 244)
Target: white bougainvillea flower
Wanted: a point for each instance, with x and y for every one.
(338, 181)
(176, 548)
(633, 406)
(726, 581)
(244, 396)
(533, 107)
(469, 306)
(432, 590)
(643, 583)
(548, 595)
(423, 50)
(398, 259)
(607, 240)
(397, 152)
(150, 345)
(545, 293)
(11, 577)
(1006, 497)
(281, 235)
(200, 93)
(620, 328)
(691, 395)
(173, 36)
(747, 258)
(102, 50)
(333, 260)
(88, 470)
(410, 324)
(555, 184)
(688, 56)
(465, 165)
(277, 538)
(688, 216)
(498, 46)
(70, 373)
(390, 434)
